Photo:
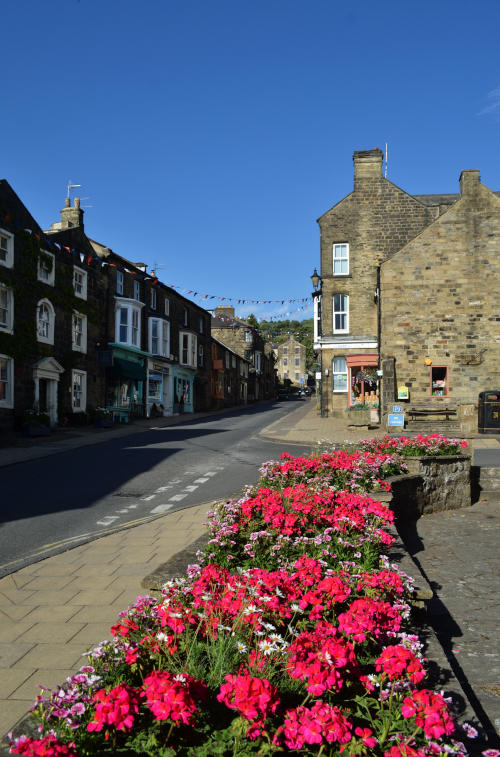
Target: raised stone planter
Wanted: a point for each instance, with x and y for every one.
(359, 417)
(432, 484)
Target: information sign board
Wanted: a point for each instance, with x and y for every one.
(396, 419)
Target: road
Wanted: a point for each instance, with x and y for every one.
(57, 502)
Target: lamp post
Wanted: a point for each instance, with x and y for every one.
(316, 282)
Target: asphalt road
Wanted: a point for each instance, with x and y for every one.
(78, 495)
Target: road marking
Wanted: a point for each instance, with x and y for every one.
(132, 507)
(190, 488)
(163, 488)
(200, 480)
(161, 509)
(211, 473)
(107, 520)
(146, 499)
(177, 497)
(123, 511)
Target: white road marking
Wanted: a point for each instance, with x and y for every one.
(161, 509)
(190, 488)
(200, 480)
(211, 473)
(107, 520)
(146, 499)
(132, 507)
(177, 497)
(163, 488)
(123, 511)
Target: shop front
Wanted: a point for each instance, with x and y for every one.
(160, 396)
(125, 384)
(362, 380)
(183, 390)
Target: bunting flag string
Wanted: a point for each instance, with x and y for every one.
(303, 303)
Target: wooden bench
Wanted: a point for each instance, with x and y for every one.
(420, 412)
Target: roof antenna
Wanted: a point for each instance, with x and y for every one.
(71, 186)
(385, 172)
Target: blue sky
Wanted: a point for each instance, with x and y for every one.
(210, 136)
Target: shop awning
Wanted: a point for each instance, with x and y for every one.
(127, 369)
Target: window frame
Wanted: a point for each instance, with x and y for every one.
(51, 275)
(340, 373)
(42, 338)
(83, 294)
(152, 300)
(120, 282)
(340, 259)
(188, 353)
(340, 313)
(129, 307)
(83, 333)
(166, 306)
(137, 291)
(162, 336)
(8, 401)
(9, 248)
(8, 328)
(82, 407)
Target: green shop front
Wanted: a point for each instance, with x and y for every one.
(183, 378)
(126, 378)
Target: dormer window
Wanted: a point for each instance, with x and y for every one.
(341, 259)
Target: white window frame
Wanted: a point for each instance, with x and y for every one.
(48, 337)
(82, 347)
(48, 277)
(153, 299)
(119, 282)
(258, 361)
(338, 371)
(341, 312)
(7, 381)
(130, 327)
(166, 306)
(187, 348)
(80, 287)
(340, 259)
(162, 336)
(82, 405)
(137, 291)
(6, 248)
(201, 356)
(7, 295)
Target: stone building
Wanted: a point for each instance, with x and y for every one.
(51, 311)
(369, 300)
(154, 347)
(246, 341)
(229, 381)
(440, 317)
(291, 362)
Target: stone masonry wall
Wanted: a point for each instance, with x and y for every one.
(439, 303)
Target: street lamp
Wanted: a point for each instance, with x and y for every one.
(316, 282)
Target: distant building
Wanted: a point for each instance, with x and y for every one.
(291, 361)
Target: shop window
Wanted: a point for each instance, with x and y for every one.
(439, 381)
(363, 380)
(79, 391)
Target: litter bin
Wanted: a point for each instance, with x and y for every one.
(488, 421)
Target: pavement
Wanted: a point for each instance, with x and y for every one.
(53, 610)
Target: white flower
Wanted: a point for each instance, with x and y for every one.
(242, 648)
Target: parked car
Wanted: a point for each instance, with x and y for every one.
(282, 394)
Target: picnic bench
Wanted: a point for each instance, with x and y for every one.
(421, 412)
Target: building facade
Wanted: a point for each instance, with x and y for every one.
(291, 362)
(389, 261)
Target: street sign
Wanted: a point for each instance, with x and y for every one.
(397, 409)
(396, 419)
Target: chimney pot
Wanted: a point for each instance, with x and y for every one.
(67, 202)
(77, 202)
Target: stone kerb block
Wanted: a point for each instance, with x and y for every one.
(432, 484)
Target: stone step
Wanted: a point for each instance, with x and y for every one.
(446, 428)
(489, 479)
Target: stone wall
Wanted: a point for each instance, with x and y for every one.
(432, 484)
(437, 307)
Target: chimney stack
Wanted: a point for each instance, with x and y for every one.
(367, 164)
(469, 182)
(71, 217)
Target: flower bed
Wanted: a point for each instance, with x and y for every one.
(290, 635)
